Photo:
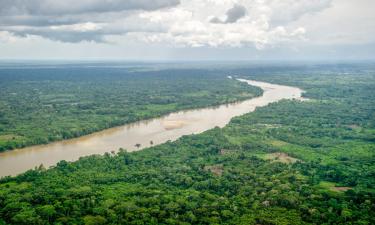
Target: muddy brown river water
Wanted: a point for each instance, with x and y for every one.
(158, 130)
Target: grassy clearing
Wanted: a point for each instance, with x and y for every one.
(280, 157)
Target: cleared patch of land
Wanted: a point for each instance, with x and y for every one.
(341, 188)
(280, 157)
(333, 186)
(215, 169)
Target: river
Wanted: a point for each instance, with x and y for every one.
(145, 133)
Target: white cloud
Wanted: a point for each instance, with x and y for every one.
(74, 21)
(229, 23)
(186, 26)
(79, 27)
(199, 23)
(6, 36)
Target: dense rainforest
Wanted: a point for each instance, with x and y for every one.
(43, 104)
(292, 162)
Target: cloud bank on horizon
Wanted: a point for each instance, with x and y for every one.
(189, 23)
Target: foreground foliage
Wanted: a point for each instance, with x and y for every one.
(226, 176)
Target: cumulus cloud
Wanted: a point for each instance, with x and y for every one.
(195, 23)
(227, 23)
(65, 33)
(6, 37)
(232, 15)
(75, 21)
(53, 7)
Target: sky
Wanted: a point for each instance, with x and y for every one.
(188, 29)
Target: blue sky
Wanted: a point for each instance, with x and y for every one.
(187, 29)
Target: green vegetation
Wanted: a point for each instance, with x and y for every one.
(40, 105)
(236, 175)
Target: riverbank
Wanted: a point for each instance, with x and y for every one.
(142, 134)
(43, 105)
